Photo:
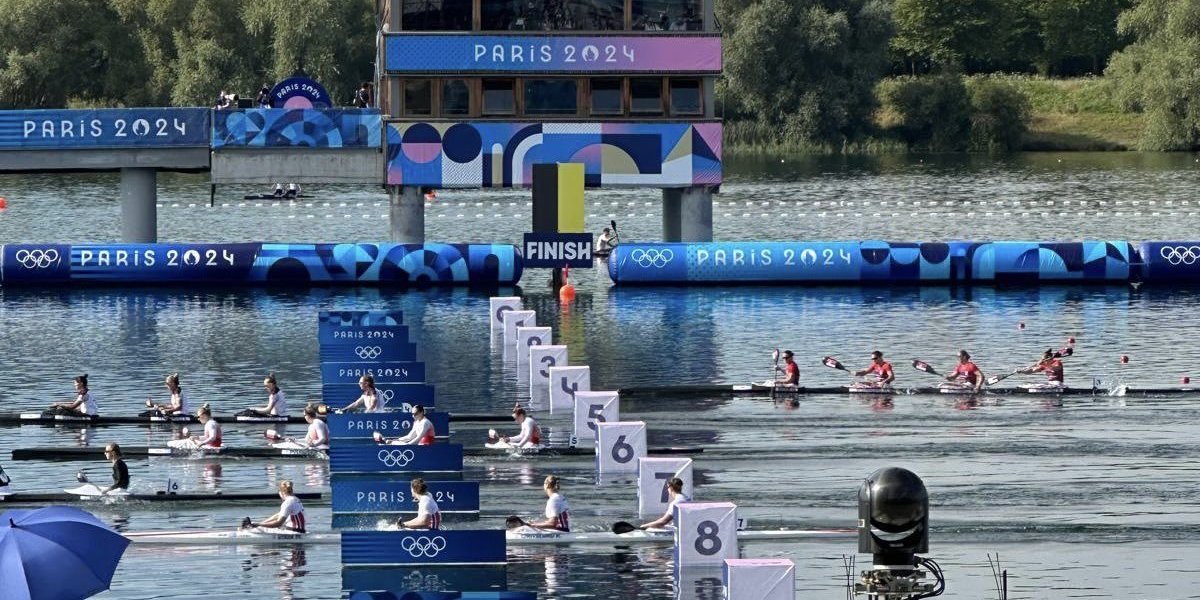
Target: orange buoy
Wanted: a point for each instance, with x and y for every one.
(1021, 325)
(566, 293)
(1186, 380)
(430, 196)
(3, 203)
(1071, 341)
(1124, 359)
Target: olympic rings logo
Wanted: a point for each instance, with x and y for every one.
(37, 258)
(422, 546)
(368, 352)
(1180, 255)
(387, 394)
(396, 458)
(652, 257)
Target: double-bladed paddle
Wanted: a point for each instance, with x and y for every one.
(925, 367)
(1060, 353)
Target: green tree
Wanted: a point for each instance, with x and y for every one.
(999, 115)
(49, 55)
(1078, 29)
(945, 32)
(933, 111)
(808, 67)
(1159, 73)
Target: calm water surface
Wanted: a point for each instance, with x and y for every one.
(1085, 497)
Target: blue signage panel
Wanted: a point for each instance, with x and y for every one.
(355, 458)
(390, 424)
(381, 371)
(105, 128)
(425, 547)
(539, 53)
(395, 396)
(554, 250)
(390, 351)
(354, 335)
(365, 496)
(299, 92)
(126, 262)
(433, 582)
(330, 319)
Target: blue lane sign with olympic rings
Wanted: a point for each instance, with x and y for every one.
(383, 351)
(372, 458)
(394, 396)
(423, 547)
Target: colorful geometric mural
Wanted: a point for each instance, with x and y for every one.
(875, 262)
(261, 263)
(285, 128)
(485, 154)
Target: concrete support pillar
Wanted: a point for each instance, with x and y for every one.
(407, 214)
(139, 205)
(687, 214)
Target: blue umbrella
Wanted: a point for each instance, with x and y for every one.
(58, 553)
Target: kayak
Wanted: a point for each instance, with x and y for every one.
(543, 450)
(522, 536)
(253, 535)
(529, 536)
(273, 197)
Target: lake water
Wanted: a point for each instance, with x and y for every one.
(1084, 497)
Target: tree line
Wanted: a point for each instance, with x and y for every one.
(55, 53)
(802, 70)
(809, 71)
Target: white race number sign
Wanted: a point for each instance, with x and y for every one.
(705, 533)
(541, 360)
(592, 408)
(619, 446)
(497, 306)
(653, 475)
(530, 336)
(514, 319)
(759, 579)
(564, 382)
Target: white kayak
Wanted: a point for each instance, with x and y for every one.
(253, 535)
(91, 491)
(522, 536)
(1044, 388)
(505, 446)
(529, 536)
(953, 387)
(870, 388)
(293, 445)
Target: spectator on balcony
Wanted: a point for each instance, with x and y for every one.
(264, 97)
(222, 101)
(362, 98)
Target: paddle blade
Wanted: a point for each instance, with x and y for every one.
(775, 355)
(272, 435)
(832, 363)
(622, 527)
(513, 522)
(81, 477)
(924, 367)
(614, 224)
